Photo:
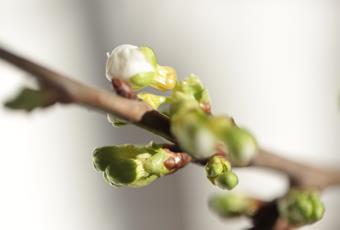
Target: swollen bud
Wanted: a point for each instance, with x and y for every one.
(241, 145)
(228, 180)
(189, 126)
(301, 207)
(219, 173)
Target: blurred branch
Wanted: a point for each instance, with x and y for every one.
(69, 91)
(301, 175)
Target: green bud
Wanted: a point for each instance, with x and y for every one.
(241, 145)
(233, 204)
(221, 123)
(216, 166)
(189, 126)
(228, 180)
(192, 87)
(153, 100)
(301, 207)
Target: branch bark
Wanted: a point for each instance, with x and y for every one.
(142, 115)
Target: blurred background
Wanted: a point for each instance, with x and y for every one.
(272, 64)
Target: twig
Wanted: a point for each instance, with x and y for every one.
(142, 115)
(301, 175)
(72, 91)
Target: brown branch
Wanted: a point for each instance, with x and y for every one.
(72, 91)
(142, 115)
(301, 175)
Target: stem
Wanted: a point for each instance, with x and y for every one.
(72, 91)
(301, 175)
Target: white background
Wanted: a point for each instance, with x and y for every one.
(272, 64)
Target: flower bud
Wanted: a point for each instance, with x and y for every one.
(228, 180)
(241, 145)
(301, 207)
(138, 65)
(189, 126)
(219, 173)
(233, 205)
(191, 88)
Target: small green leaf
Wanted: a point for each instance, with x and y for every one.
(115, 121)
(29, 99)
(104, 156)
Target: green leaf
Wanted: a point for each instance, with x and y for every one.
(29, 99)
(104, 156)
(122, 171)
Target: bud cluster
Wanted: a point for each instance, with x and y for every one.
(219, 173)
(301, 207)
(197, 132)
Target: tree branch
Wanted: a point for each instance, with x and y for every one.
(71, 91)
(301, 175)
(142, 115)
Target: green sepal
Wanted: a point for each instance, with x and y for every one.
(28, 99)
(141, 80)
(150, 55)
